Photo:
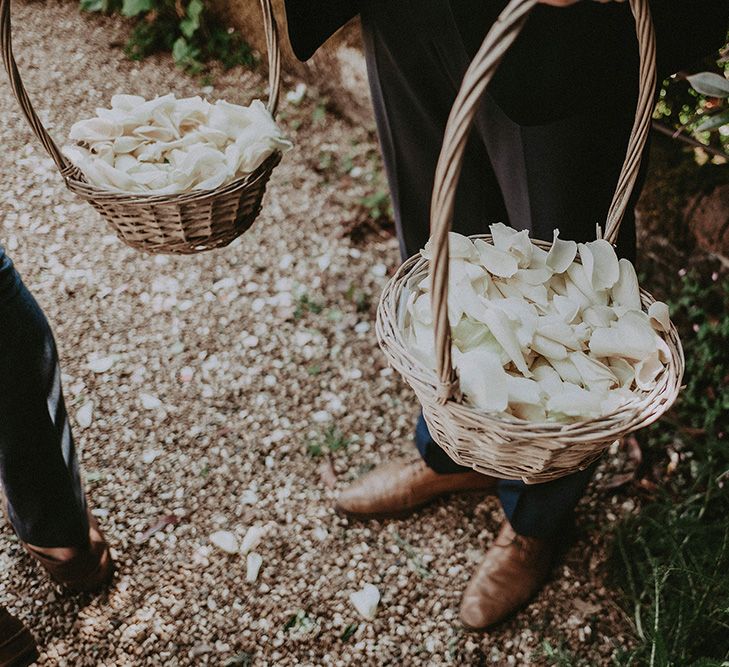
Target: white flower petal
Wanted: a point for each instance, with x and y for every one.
(126, 102)
(558, 331)
(615, 399)
(574, 401)
(539, 258)
(483, 379)
(523, 390)
(469, 334)
(577, 275)
(588, 262)
(459, 247)
(102, 364)
(498, 262)
(253, 566)
(606, 269)
(535, 276)
(576, 295)
(515, 243)
(533, 293)
(592, 370)
(647, 370)
(547, 348)
(599, 316)
(365, 601)
(660, 316)
(225, 541)
(504, 332)
(528, 412)
(422, 311)
(549, 380)
(561, 254)
(85, 414)
(566, 307)
(626, 292)
(252, 538)
(95, 129)
(623, 370)
(631, 338)
(566, 370)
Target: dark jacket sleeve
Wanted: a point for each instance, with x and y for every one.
(311, 22)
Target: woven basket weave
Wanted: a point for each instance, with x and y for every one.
(503, 445)
(183, 223)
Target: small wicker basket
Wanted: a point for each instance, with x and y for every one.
(184, 223)
(502, 445)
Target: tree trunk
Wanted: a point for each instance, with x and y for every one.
(337, 69)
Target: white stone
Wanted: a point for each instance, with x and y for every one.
(150, 402)
(321, 416)
(101, 364)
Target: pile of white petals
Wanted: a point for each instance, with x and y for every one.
(167, 146)
(538, 335)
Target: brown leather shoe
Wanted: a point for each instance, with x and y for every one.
(513, 571)
(84, 570)
(396, 489)
(17, 646)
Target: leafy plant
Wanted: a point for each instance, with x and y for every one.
(305, 305)
(186, 28)
(332, 441)
(557, 656)
(672, 559)
(715, 86)
(698, 103)
(414, 558)
(349, 631)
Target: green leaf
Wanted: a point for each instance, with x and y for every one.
(184, 53)
(710, 84)
(136, 7)
(712, 122)
(190, 24)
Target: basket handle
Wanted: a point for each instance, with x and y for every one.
(16, 83)
(64, 165)
(500, 37)
(274, 56)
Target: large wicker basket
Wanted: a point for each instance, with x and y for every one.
(184, 223)
(505, 446)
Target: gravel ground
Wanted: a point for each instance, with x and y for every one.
(241, 388)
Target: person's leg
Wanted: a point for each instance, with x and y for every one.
(38, 465)
(564, 178)
(414, 78)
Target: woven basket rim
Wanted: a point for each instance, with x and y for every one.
(391, 299)
(76, 182)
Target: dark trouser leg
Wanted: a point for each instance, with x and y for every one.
(412, 94)
(38, 464)
(558, 174)
(567, 172)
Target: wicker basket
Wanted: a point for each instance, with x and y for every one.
(185, 223)
(502, 445)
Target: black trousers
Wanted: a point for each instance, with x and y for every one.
(547, 162)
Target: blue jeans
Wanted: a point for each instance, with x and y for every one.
(538, 510)
(38, 465)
